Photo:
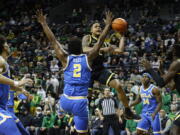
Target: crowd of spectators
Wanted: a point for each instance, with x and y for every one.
(149, 37)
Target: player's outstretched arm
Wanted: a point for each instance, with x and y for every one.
(173, 69)
(95, 51)
(60, 52)
(156, 92)
(12, 83)
(120, 49)
(166, 78)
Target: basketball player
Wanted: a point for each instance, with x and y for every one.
(77, 72)
(99, 72)
(152, 103)
(7, 123)
(172, 74)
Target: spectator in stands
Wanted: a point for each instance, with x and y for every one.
(60, 123)
(131, 127)
(54, 67)
(96, 124)
(25, 117)
(36, 122)
(48, 123)
(41, 92)
(165, 122)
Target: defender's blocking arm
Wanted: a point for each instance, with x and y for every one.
(162, 81)
(95, 51)
(60, 52)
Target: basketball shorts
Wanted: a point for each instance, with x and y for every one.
(7, 124)
(104, 77)
(146, 123)
(19, 124)
(78, 106)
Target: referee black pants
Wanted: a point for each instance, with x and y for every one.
(113, 122)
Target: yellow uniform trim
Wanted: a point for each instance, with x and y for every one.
(157, 132)
(81, 131)
(107, 82)
(178, 73)
(75, 97)
(5, 117)
(17, 120)
(142, 129)
(177, 117)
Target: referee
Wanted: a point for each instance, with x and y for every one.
(108, 107)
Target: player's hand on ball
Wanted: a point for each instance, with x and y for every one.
(109, 18)
(40, 17)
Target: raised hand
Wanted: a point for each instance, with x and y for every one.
(109, 18)
(40, 17)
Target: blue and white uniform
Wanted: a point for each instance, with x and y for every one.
(149, 106)
(77, 75)
(7, 123)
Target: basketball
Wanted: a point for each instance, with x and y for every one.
(120, 25)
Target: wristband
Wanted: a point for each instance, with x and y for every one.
(16, 83)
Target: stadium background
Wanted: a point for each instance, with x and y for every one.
(152, 28)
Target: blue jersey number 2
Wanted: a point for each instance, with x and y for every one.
(77, 70)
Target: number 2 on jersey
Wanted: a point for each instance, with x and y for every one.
(77, 70)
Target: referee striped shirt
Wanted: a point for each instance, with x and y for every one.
(108, 106)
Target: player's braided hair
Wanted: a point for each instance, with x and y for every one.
(2, 41)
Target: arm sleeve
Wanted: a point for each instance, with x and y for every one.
(156, 77)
